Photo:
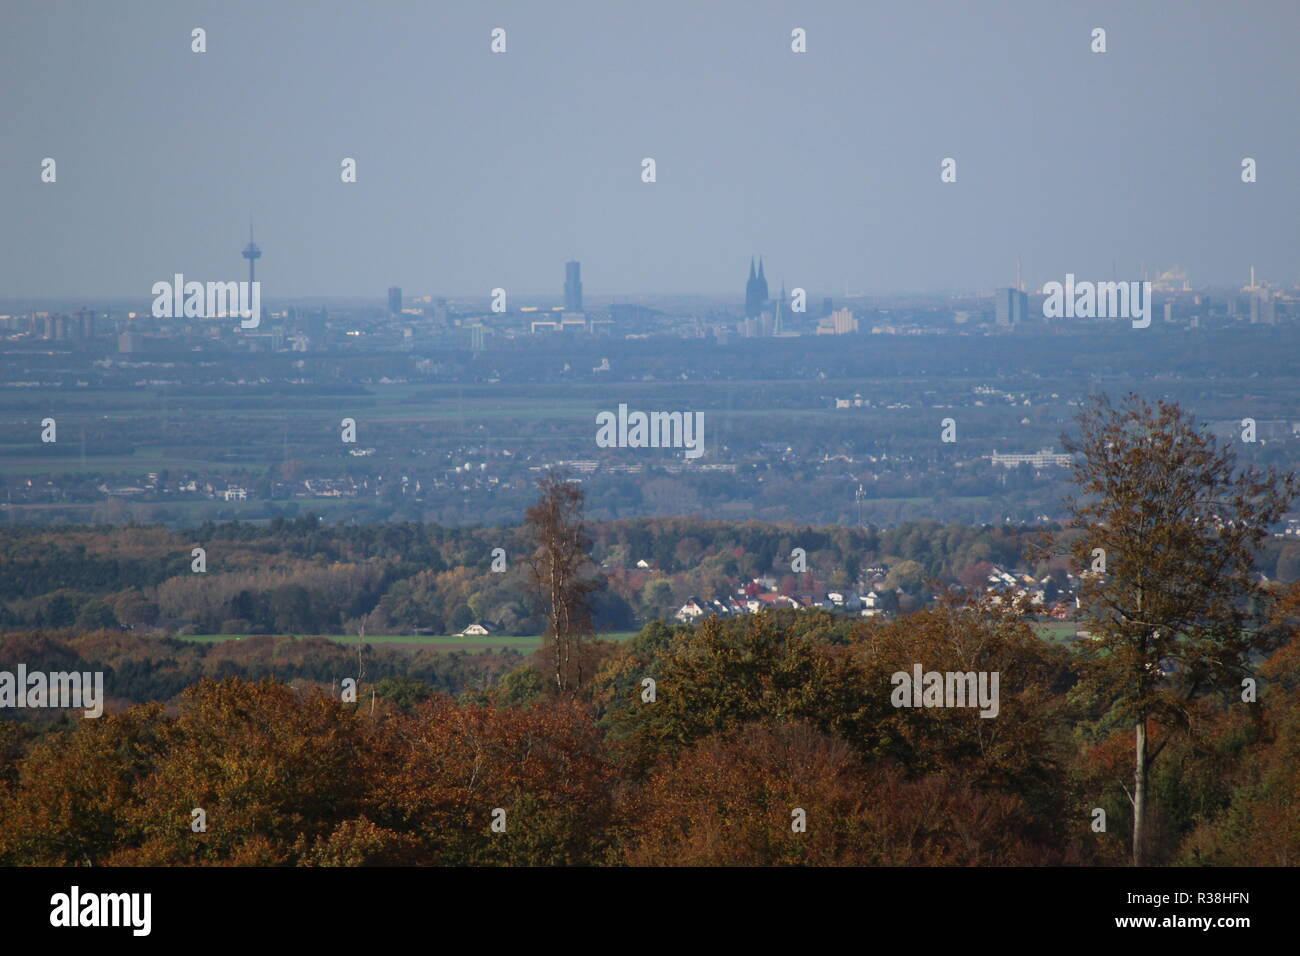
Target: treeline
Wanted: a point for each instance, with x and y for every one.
(304, 577)
(142, 670)
(750, 722)
(289, 577)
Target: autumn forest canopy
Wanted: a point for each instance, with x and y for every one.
(1147, 711)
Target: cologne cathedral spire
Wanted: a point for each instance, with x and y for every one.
(755, 290)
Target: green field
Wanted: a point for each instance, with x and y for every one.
(1057, 632)
(456, 410)
(449, 642)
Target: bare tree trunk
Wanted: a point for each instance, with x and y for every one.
(361, 664)
(1140, 794)
(557, 559)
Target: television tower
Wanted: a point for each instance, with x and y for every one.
(252, 254)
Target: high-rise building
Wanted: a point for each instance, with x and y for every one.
(842, 322)
(1012, 306)
(1263, 308)
(58, 326)
(394, 300)
(573, 286)
(755, 290)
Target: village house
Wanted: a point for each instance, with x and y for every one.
(844, 600)
(692, 610)
(872, 604)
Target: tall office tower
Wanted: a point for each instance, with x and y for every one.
(394, 300)
(844, 322)
(252, 254)
(755, 290)
(573, 286)
(1012, 306)
(1263, 310)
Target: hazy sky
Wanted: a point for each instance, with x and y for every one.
(478, 170)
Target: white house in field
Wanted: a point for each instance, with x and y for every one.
(476, 630)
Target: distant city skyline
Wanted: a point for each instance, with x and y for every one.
(756, 292)
(1011, 310)
(1010, 302)
(994, 291)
